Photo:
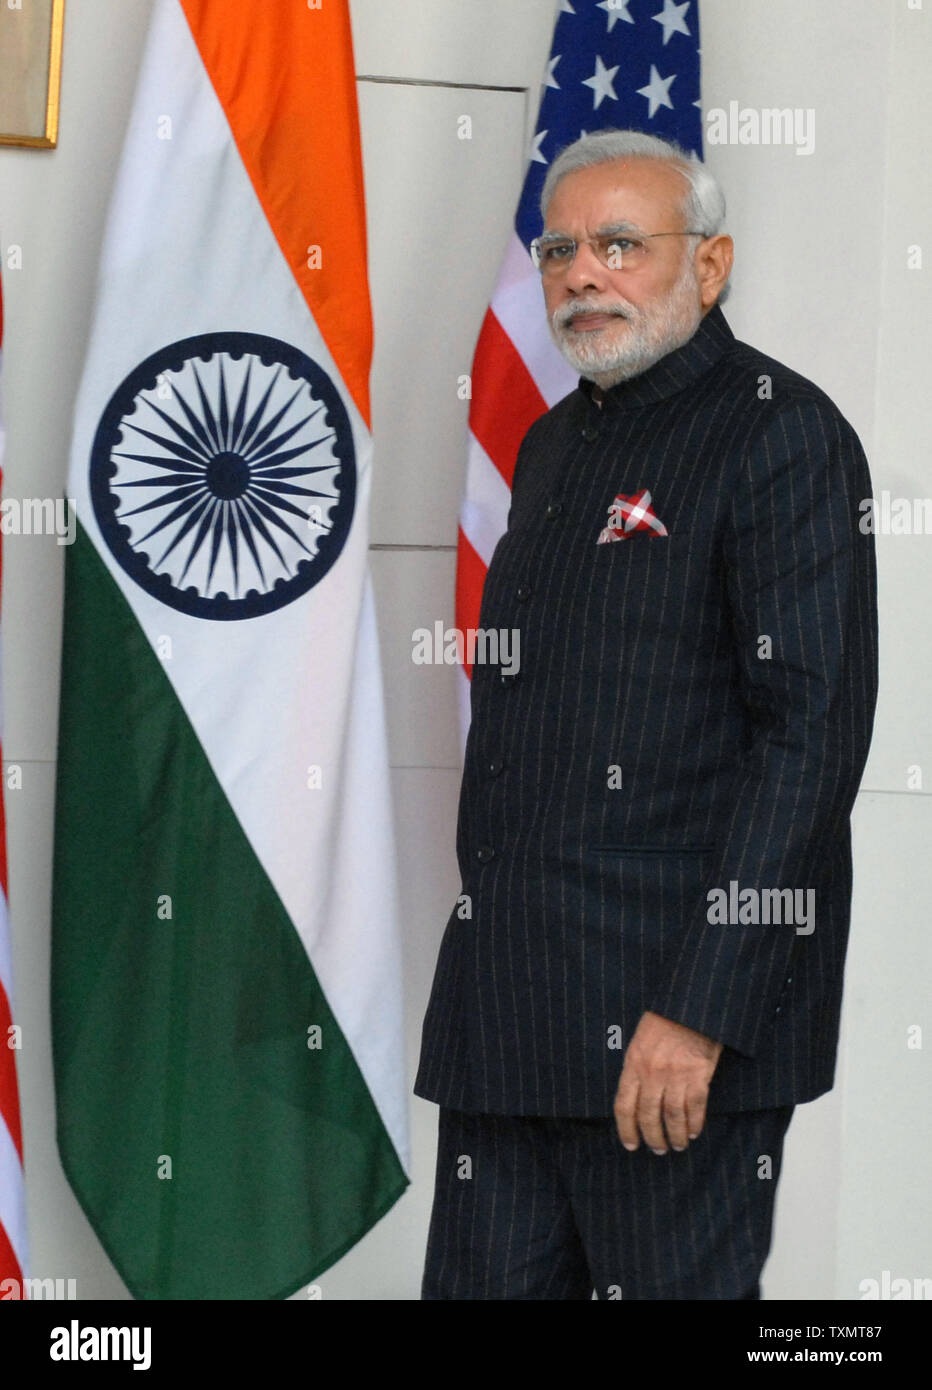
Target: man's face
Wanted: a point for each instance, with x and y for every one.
(612, 324)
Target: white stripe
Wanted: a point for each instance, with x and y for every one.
(518, 304)
(12, 1196)
(356, 952)
(485, 506)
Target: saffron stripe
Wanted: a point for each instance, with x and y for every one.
(306, 164)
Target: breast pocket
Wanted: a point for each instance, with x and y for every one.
(635, 588)
(642, 559)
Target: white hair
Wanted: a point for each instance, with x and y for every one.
(703, 206)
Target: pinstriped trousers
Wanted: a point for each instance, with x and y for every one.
(529, 1207)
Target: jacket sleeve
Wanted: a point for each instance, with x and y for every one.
(800, 572)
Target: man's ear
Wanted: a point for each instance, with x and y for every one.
(714, 260)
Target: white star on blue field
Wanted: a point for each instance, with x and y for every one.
(615, 64)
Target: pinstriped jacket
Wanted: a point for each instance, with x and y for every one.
(725, 676)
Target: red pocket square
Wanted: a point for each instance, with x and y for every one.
(629, 513)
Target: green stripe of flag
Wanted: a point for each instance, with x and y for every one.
(186, 1038)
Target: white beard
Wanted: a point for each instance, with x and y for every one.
(651, 334)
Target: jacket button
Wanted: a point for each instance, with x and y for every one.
(485, 853)
(524, 592)
(496, 766)
(590, 433)
(554, 509)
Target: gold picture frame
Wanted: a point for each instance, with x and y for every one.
(30, 72)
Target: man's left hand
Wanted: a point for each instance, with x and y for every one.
(664, 1082)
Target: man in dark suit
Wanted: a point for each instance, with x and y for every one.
(643, 973)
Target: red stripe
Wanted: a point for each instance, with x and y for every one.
(505, 403)
(470, 577)
(505, 398)
(9, 1264)
(9, 1098)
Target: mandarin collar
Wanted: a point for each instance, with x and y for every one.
(672, 373)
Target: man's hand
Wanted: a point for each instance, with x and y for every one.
(665, 1077)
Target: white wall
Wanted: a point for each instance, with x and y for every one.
(820, 281)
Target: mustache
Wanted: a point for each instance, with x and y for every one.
(584, 308)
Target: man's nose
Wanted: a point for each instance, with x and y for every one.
(586, 271)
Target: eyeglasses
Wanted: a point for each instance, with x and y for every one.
(553, 254)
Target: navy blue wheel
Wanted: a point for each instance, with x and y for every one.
(223, 475)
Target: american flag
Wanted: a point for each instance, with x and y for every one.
(621, 64)
(12, 1192)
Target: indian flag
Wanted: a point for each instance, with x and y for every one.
(226, 977)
